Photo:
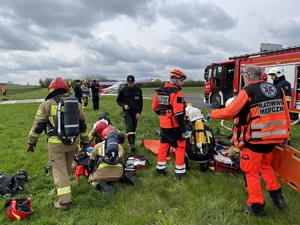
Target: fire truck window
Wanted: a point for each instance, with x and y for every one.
(218, 75)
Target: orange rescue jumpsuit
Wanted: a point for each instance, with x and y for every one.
(267, 123)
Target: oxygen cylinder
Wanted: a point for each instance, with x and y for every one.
(71, 117)
(112, 145)
(200, 135)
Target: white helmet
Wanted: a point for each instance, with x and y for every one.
(276, 71)
(195, 114)
(188, 108)
(227, 103)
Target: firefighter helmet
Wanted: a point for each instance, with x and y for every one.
(264, 76)
(106, 130)
(100, 126)
(228, 102)
(195, 114)
(86, 81)
(18, 209)
(177, 73)
(58, 83)
(276, 71)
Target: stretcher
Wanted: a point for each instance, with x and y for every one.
(286, 164)
(153, 146)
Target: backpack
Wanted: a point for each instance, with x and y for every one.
(9, 185)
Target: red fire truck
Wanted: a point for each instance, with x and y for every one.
(224, 79)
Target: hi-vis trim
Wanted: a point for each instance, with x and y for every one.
(39, 112)
(163, 99)
(264, 125)
(161, 165)
(267, 134)
(272, 106)
(180, 169)
(64, 190)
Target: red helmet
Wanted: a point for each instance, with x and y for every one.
(58, 83)
(106, 130)
(178, 74)
(86, 81)
(18, 209)
(264, 76)
(100, 126)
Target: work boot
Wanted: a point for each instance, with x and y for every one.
(204, 167)
(62, 206)
(278, 199)
(162, 172)
(256, 208)
(132, 147)
(179, 175)
(102, 185)
(131, 178)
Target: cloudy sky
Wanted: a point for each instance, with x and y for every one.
(147, 38)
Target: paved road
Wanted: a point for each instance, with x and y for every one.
(195, 98)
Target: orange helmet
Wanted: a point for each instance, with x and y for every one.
(100, 126)
(58, 83)
(106, 130)
(178, 74)
(264, 76)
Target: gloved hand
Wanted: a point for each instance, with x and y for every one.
(207, 117)
(186, 133)
(84, 147)
(30, 147)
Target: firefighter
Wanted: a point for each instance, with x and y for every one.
(168, 103)
(95, 94)
(277, 75)
(201, 143)
(106, 162)
(95, 135)
(261, 122)
(130, 98)
(78, 91)
(60, 150)
(71, 90)
(85, 93)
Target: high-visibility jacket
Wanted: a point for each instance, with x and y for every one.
(168, 102)
(262, 114)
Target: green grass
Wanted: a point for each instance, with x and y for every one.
(200, 198)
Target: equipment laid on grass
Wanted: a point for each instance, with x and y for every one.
(286, 163)
(18, 209)
(9, 185)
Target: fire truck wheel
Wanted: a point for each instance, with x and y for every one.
(216, 101)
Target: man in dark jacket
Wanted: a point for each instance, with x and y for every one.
(130, 98)
(78, 91)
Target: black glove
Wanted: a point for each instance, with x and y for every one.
(30, 147)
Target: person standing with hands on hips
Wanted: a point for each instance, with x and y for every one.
(261, 122)
(169, 104)
(130, 98)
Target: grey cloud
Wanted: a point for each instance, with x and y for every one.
(196, 15)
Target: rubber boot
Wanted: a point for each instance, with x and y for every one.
(130, 178)
(278, 199)
(102, 185)
(256, 208)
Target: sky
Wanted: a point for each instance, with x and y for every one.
(75, 39)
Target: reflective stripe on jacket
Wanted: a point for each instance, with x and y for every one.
(169, 102)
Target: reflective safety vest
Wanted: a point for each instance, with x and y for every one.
(167, 116)
(266, 121)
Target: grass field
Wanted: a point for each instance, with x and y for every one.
(199, 198)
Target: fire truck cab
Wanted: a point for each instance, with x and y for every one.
(224, 79)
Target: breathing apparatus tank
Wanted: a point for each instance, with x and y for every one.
(200, 135)
(71, 116)
(69, 129)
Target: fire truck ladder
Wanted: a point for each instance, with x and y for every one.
(270, 52)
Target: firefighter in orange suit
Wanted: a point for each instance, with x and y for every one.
(168, 103)
(262, 121)
(61, 154)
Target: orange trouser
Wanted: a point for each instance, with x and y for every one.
(179, 156)
(253, 163)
